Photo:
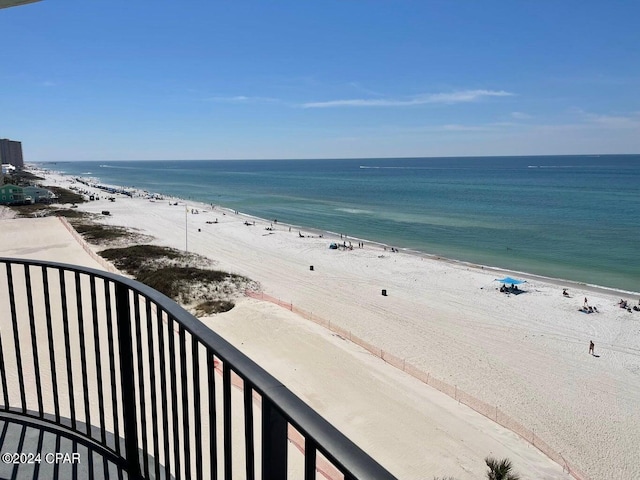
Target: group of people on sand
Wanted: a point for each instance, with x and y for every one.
(586, 308)
(627, 306)
(513, 288)
(307, 236)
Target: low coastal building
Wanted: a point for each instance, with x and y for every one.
(10, 194)
(7, 168)
(37, 194)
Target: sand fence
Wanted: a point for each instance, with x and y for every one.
(492, 412)
(85, 246)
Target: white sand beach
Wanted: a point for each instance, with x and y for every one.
(525, 356)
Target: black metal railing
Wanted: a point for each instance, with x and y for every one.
(126, 372)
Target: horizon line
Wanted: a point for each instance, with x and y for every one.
(336, 158)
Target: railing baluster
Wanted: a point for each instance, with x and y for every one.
(112, 367)
(142, 411)
(36, 469)
(83, 354)
(90, 462)
(248, 430)
(34, 339)
(105, 468)
(174, 397)
(274, 442)
(213, 438)
(309, 459)
(3, 377)
(163, 389)
(56, 465)
(96, 345)
(226, 419)
(16, 339)
(16, 466)
(185, 403)
(125, 346)
(5, 426)
(152, 381)
(52, 356)
(74, 467)
(67, 347)
(195, 353)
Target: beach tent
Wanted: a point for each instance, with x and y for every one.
(510, 280)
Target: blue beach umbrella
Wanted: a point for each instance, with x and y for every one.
(510, 280)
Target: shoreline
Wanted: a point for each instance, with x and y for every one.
(582, 248)
(330, 235)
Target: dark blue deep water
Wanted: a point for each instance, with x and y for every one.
(571, 217)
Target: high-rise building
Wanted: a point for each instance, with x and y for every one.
(11, 152)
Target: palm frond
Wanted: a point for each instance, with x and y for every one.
(500, 469)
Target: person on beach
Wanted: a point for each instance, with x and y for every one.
(591, 347)
(586, 302)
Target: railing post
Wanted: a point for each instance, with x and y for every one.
(125, 346)
(274, 442)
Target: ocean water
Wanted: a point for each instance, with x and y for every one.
(569, 217)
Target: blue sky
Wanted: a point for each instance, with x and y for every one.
(136, 80)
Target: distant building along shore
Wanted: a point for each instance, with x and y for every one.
(11, 153)
(17, 187)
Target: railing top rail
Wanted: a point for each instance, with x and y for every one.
(333, 444)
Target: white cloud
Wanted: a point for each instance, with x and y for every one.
(449, 98)
(464, 96)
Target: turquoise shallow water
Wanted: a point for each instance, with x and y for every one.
(571, 217)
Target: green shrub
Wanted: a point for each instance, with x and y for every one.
(176, 282)
(98, 233)
(134, 258)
